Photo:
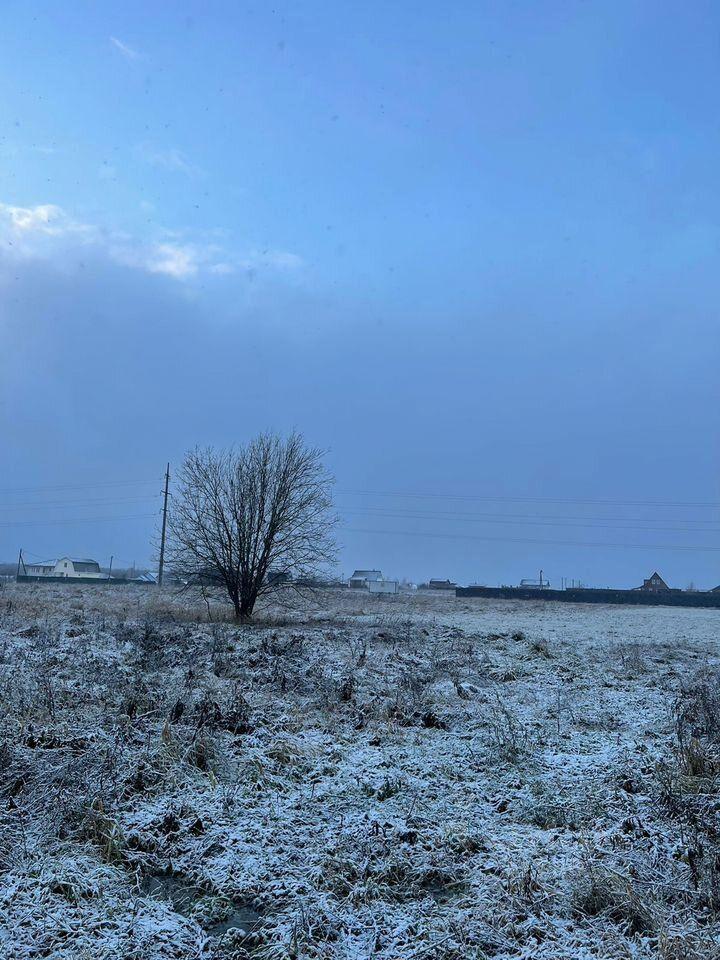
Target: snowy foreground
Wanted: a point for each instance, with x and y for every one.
(396, 777)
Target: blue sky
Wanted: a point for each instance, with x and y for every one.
(469, 248)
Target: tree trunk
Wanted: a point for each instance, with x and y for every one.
(236, 604)
(247, 604)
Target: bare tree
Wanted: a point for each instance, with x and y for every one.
(240, 515)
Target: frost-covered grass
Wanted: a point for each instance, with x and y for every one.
(399, 777)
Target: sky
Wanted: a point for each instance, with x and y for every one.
(470, 249)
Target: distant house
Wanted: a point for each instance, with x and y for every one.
(535, 584)
(441, 585)
(373, 581)
(361, 578)
(715, 589)
(654, 584)
(66, 567)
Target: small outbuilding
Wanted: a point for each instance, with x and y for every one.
(146, 578)
(383, 586)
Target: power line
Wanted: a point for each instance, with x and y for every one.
(619, 523)
(554, 522)
(562, 543)
(454, 515)
(42, 523)
(80, 486)
(75, 503)
(452, 496)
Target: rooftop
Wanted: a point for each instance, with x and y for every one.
(52, 563)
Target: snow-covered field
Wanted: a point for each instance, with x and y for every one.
(397, 777)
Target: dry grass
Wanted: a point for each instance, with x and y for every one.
(395, 778)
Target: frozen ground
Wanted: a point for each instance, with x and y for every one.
(401, 777)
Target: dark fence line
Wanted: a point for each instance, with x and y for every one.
(665, 598)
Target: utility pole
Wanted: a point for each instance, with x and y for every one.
(110, 570)
(20, 560)
(164, 527)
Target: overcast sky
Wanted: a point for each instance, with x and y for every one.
(470, 248)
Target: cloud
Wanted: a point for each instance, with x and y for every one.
(46, 231)
(45, 218)
(28, 232)
(180, 261)
(124, 49)
(171, 159)
(172, 260)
